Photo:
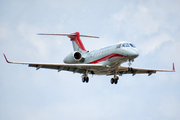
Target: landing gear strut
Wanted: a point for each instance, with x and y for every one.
(130, 60)
(85, 77)
(114, 80)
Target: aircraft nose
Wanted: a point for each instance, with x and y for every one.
(134, 54)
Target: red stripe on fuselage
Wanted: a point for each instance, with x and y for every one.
(106, 58)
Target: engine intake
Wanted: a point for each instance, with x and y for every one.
(74, 57)
(77, 56)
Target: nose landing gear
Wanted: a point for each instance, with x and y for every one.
(130, 60)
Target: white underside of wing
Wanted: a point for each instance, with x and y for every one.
(144, 69)
(94, 68)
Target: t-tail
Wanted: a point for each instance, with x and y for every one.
(76, 41)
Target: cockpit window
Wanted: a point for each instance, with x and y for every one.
(128, 45)
(125, 45)
(132, 45)
(118, 46)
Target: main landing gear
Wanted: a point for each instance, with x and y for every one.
(114, 80)
(85, 79)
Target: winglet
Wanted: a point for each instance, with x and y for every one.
(173, 67)
(6, 59)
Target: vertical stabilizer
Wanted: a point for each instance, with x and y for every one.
(77, 43)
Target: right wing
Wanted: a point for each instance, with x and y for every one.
(76, 68)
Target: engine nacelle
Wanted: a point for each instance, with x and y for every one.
(74, 57)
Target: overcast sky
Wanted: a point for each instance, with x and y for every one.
(26, 94)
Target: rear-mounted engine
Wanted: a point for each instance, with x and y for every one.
(74, 57)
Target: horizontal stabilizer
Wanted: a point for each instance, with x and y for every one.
(67, 35)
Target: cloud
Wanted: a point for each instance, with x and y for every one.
(135, 20)
(40, 46)
(140, 23)
(154, 43)
(4, 31)
(170, 107)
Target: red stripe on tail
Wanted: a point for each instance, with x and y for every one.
(78, 41)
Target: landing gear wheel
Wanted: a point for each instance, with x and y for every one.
(85, 79)
(115, 81)
(112, 80)
(130, 69)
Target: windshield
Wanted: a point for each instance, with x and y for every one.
(125, 45)
(128, 45)
(132, 45)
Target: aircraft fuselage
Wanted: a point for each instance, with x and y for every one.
(112, 55)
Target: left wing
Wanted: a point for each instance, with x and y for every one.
(133, 71)
(76, 68)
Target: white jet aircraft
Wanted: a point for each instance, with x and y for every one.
(105, 61)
